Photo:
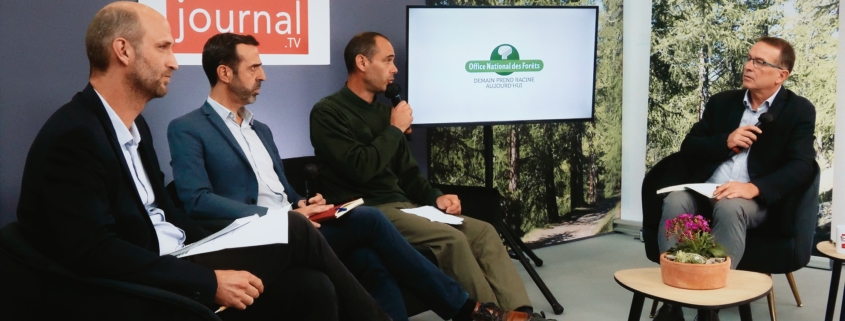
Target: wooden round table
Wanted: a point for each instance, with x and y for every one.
(743, 287)
(828, 248)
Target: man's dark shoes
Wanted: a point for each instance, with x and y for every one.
(669, 312)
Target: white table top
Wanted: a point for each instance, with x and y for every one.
(742, 287)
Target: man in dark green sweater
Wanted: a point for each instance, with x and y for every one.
(363, 152)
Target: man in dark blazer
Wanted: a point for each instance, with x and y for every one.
(226, 165)
(93, 197)
(755, 166)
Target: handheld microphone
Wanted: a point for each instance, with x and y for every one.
(765, 118)
(311, 177)
(392, 93)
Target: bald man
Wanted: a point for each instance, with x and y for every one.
(94, 201)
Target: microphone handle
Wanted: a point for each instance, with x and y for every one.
(736, 150)
(396, 100)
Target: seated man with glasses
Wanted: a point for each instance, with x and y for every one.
(755, 166)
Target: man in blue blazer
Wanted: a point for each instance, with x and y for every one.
(226, 166)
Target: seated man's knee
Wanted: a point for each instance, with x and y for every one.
(489, 232)
(729, 210)
(369, 214)
(313, 284)
(677, 203)
(454, 238)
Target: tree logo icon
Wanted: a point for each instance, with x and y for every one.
(504, 60)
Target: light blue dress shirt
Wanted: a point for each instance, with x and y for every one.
(736, 167)
(170, 237)
(271, 193)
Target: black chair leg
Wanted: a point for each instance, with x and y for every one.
(521, 245)
(510, 239)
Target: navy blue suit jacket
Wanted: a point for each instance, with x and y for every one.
(781, 158)
(79, 205)
(212, 175)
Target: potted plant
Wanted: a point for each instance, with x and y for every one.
(696, 262)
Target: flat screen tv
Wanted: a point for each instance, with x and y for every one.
(499, 65)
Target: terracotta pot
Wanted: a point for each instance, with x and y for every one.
(694, 276)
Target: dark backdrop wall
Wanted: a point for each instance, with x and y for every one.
(43, 64)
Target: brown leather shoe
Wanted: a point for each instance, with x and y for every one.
(491, 312)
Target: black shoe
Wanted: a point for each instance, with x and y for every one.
(669, 312)
(707, 315)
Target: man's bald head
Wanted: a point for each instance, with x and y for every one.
(121, 19)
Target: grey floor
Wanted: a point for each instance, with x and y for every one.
(580, 274)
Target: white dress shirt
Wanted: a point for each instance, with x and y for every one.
(170, 237)
(271, 193)
(736, 167)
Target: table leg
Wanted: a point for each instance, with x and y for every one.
(841, 307)
(836, 272)
(636, 307)
(745, 312)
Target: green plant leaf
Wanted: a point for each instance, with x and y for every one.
(718, 251)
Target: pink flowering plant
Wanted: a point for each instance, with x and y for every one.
(693, 233)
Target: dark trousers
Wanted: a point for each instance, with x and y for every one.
(303, 280)
(382, 260)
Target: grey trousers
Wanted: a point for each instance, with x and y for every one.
(729, 218)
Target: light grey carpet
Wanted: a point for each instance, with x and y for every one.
(580, 274)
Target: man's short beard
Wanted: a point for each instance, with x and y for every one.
(244, 94)
(144, 81)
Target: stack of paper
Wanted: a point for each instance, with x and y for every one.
(435, 215)
(243, 232)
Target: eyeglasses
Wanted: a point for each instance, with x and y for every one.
(759, 63)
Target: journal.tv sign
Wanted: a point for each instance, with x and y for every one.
(290, 32)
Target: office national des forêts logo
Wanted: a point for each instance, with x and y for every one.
(504, 60)
(289, 31)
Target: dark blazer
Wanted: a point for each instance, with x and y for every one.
(212, 175)
(79, 205)
(781, 158)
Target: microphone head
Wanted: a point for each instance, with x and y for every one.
(765, 118)
(392, 90)
(392, 93)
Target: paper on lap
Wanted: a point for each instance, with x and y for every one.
(705, 189)
(271, 228)
(434, 215)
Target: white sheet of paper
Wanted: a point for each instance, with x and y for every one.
(705, 189)
(435, 215)
(267, 229)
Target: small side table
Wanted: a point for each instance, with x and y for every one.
(828, 249)
(743, 287)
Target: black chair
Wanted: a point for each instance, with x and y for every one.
(477, 202)
(37, 288)
(781, 245)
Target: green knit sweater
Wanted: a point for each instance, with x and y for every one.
(362, 155)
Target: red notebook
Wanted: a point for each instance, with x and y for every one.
(337, 211)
